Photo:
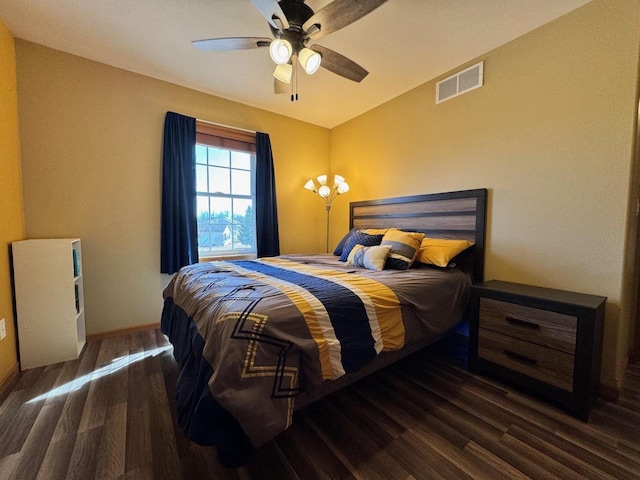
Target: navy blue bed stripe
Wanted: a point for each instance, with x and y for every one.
(346, 311)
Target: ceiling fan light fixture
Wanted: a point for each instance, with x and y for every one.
(280, 51)
(309, 60)
(283, 73)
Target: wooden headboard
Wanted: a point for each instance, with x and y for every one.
(459, 215)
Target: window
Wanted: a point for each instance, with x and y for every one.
(225, 191)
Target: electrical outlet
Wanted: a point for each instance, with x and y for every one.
(3, 329)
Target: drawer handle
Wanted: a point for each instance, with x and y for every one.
(522, 323)
(518, 356)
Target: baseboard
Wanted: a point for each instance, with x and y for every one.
(609, 393)
(121, 331)
(9, 380)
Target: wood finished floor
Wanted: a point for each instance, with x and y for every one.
(111, 415)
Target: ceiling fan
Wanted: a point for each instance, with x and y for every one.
(293, 24)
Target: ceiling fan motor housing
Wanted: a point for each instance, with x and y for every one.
(297, 13)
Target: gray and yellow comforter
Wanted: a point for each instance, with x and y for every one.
(251, 335)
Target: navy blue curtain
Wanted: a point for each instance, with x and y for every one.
(268, 243)
(179, 233)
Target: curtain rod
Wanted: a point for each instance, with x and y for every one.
(226, 126)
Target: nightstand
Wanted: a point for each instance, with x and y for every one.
(546, 342)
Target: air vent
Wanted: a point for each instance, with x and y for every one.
(459, 83)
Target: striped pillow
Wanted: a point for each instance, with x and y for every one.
(404, 248)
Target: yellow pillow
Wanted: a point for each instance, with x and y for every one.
(440, 251)
(375, 231)
(404, 248)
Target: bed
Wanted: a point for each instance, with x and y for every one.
(256, 340)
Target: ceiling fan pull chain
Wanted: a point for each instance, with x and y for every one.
(294, 79)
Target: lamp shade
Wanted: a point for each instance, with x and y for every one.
(283, 72)
(322, 179)
(310, 185)
(338, 179)
(343, 187)
(309, 60)
(280, 51)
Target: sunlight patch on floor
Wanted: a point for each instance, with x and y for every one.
(116, 365)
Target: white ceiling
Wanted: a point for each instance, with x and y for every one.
(403, 44)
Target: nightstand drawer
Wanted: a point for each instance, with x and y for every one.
(543, 327)
(545, 364)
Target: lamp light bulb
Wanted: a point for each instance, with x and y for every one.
(324, 191)
(280, 51)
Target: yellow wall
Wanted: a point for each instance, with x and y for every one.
(11, 215)
(91, 141)
(550, 133)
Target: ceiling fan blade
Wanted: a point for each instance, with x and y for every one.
(231, 43)
(339, 64)
(339, 14)
(270, 9)
(280, 87)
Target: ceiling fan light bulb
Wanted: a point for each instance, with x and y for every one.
(324, 191)
(309, 60)
(283, 73)
(280, 51)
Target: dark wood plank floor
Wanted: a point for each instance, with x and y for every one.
(111, 415)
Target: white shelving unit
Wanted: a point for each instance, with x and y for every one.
(49, 300)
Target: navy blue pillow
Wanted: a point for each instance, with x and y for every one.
(340, 246)
(359, 238)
